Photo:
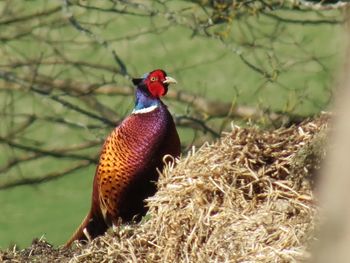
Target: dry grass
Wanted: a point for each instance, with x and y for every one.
(245, 198)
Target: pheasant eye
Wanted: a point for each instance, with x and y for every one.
(153, 79)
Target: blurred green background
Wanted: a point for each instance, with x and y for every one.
(284, 59)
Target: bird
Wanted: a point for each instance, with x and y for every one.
(130, 158)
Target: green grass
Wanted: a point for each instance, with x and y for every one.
(52, 209)
(202, 66)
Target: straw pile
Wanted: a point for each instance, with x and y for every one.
(246, 198)
(233, 200)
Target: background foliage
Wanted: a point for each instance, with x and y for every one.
(65, 73)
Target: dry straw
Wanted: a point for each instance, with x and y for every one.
(246, 198)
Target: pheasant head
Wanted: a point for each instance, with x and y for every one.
(154, 83)
(150, 88)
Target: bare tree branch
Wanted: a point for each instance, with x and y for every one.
(51, 152)
(44, 178)
(25, 18)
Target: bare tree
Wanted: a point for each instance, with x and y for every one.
(64, 80)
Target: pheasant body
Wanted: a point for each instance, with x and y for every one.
(127, 169)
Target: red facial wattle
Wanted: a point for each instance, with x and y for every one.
(157, 89)
(157, 83)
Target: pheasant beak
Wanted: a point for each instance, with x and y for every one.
(169, 80)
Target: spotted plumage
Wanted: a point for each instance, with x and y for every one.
(131, 154)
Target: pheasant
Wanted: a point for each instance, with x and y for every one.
(127, 170)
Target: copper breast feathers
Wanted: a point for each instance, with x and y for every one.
(128, 162)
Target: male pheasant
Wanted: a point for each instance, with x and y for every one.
(132, 153)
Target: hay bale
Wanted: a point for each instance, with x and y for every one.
(243, 198)
(39, 251)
